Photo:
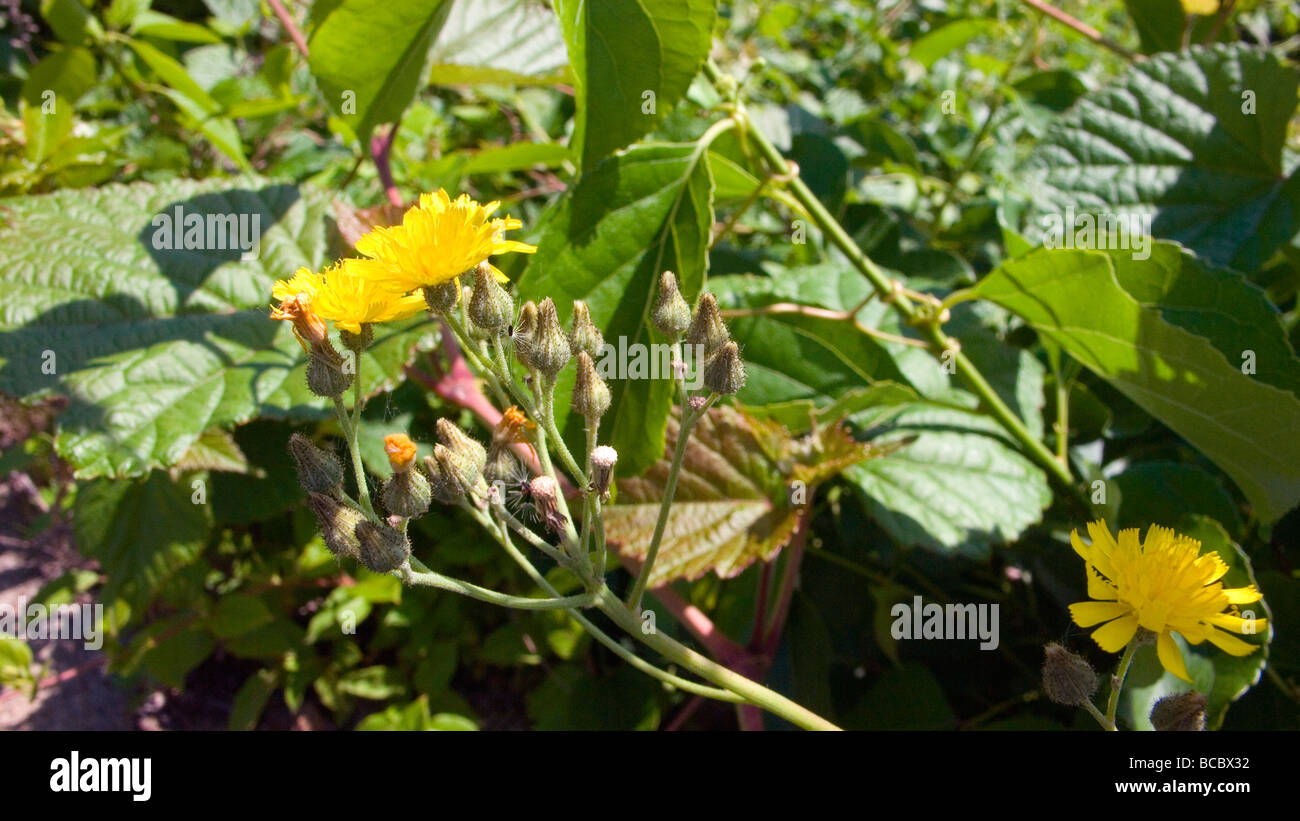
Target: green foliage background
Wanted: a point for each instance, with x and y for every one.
(938, 134)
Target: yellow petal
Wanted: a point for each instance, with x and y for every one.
(1242, 595)
(1088, 613)
(1171, 658)
(1230, 644)
(1114, 636)
(1099, 588)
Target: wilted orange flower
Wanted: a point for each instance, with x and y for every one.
(400, 450)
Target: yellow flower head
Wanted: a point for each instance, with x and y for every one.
(1164, 585)
(438, 241)
(351, 300)
(303, 281)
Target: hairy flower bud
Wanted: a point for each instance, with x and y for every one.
(591, 396)
(545, 495)
(462, 447)
(383, 548)
(325, 375)
(338, 524)
(358, 342)
(441, 298)
(502, 465)
(1180, 712)
(407, 494)
(319, 471)
(550, 344)
(442, 484)
(523, 337)
(603, 459)
(671, 316)
(707, 328)
(725, 372)
(583, 333)
(490, 306)
(1067, 678)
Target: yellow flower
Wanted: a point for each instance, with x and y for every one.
(1202, 7)
(303, 281)
(1163, 585)
(439, 240)
(351, 300)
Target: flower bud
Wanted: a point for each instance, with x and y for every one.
(725, 373)
(407, 494)
(358, 342)
(338, 524)
(545, 495)
(383, 549)
(462, 446)
(319, 471)
(603, 459)
(1180, 712)
(550, 344)
(1067, 678)
(325, 376)
(441, 298)
(502, 466)
(583, 334)
(707, 328)
(524, 335)
(490, 306)
(590, 393)
(442, 485)
(671, 316)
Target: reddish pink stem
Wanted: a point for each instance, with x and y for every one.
(291, 27)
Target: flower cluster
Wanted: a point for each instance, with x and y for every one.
(438, 241)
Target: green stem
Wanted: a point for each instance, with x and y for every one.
(1106, 723)
(354, 450)
(670, 489)
(503, 537)
(1117, 681)
(483, 594)
(753, 692)
(910, 313)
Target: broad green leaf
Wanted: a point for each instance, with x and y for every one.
(1232, 314)
(956, 487)
(251, 699)
(15, 662)
(792, 356)
(150, 23)
(154, 346)
(171, 657)
(377, 682)
(1222, 677)
(215, 449)
(140, 532)
(237, 614)
(1159, 23)
(1242, 424)
(1162, 493)
(738, 499)
(632, 62)
(903, 698)
(1192, 140)
(68, 72)
(572, 698)
(631, 218)
(510, 42)
(948, 38)
(71, 22)
(370, 57)
(515, 157)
